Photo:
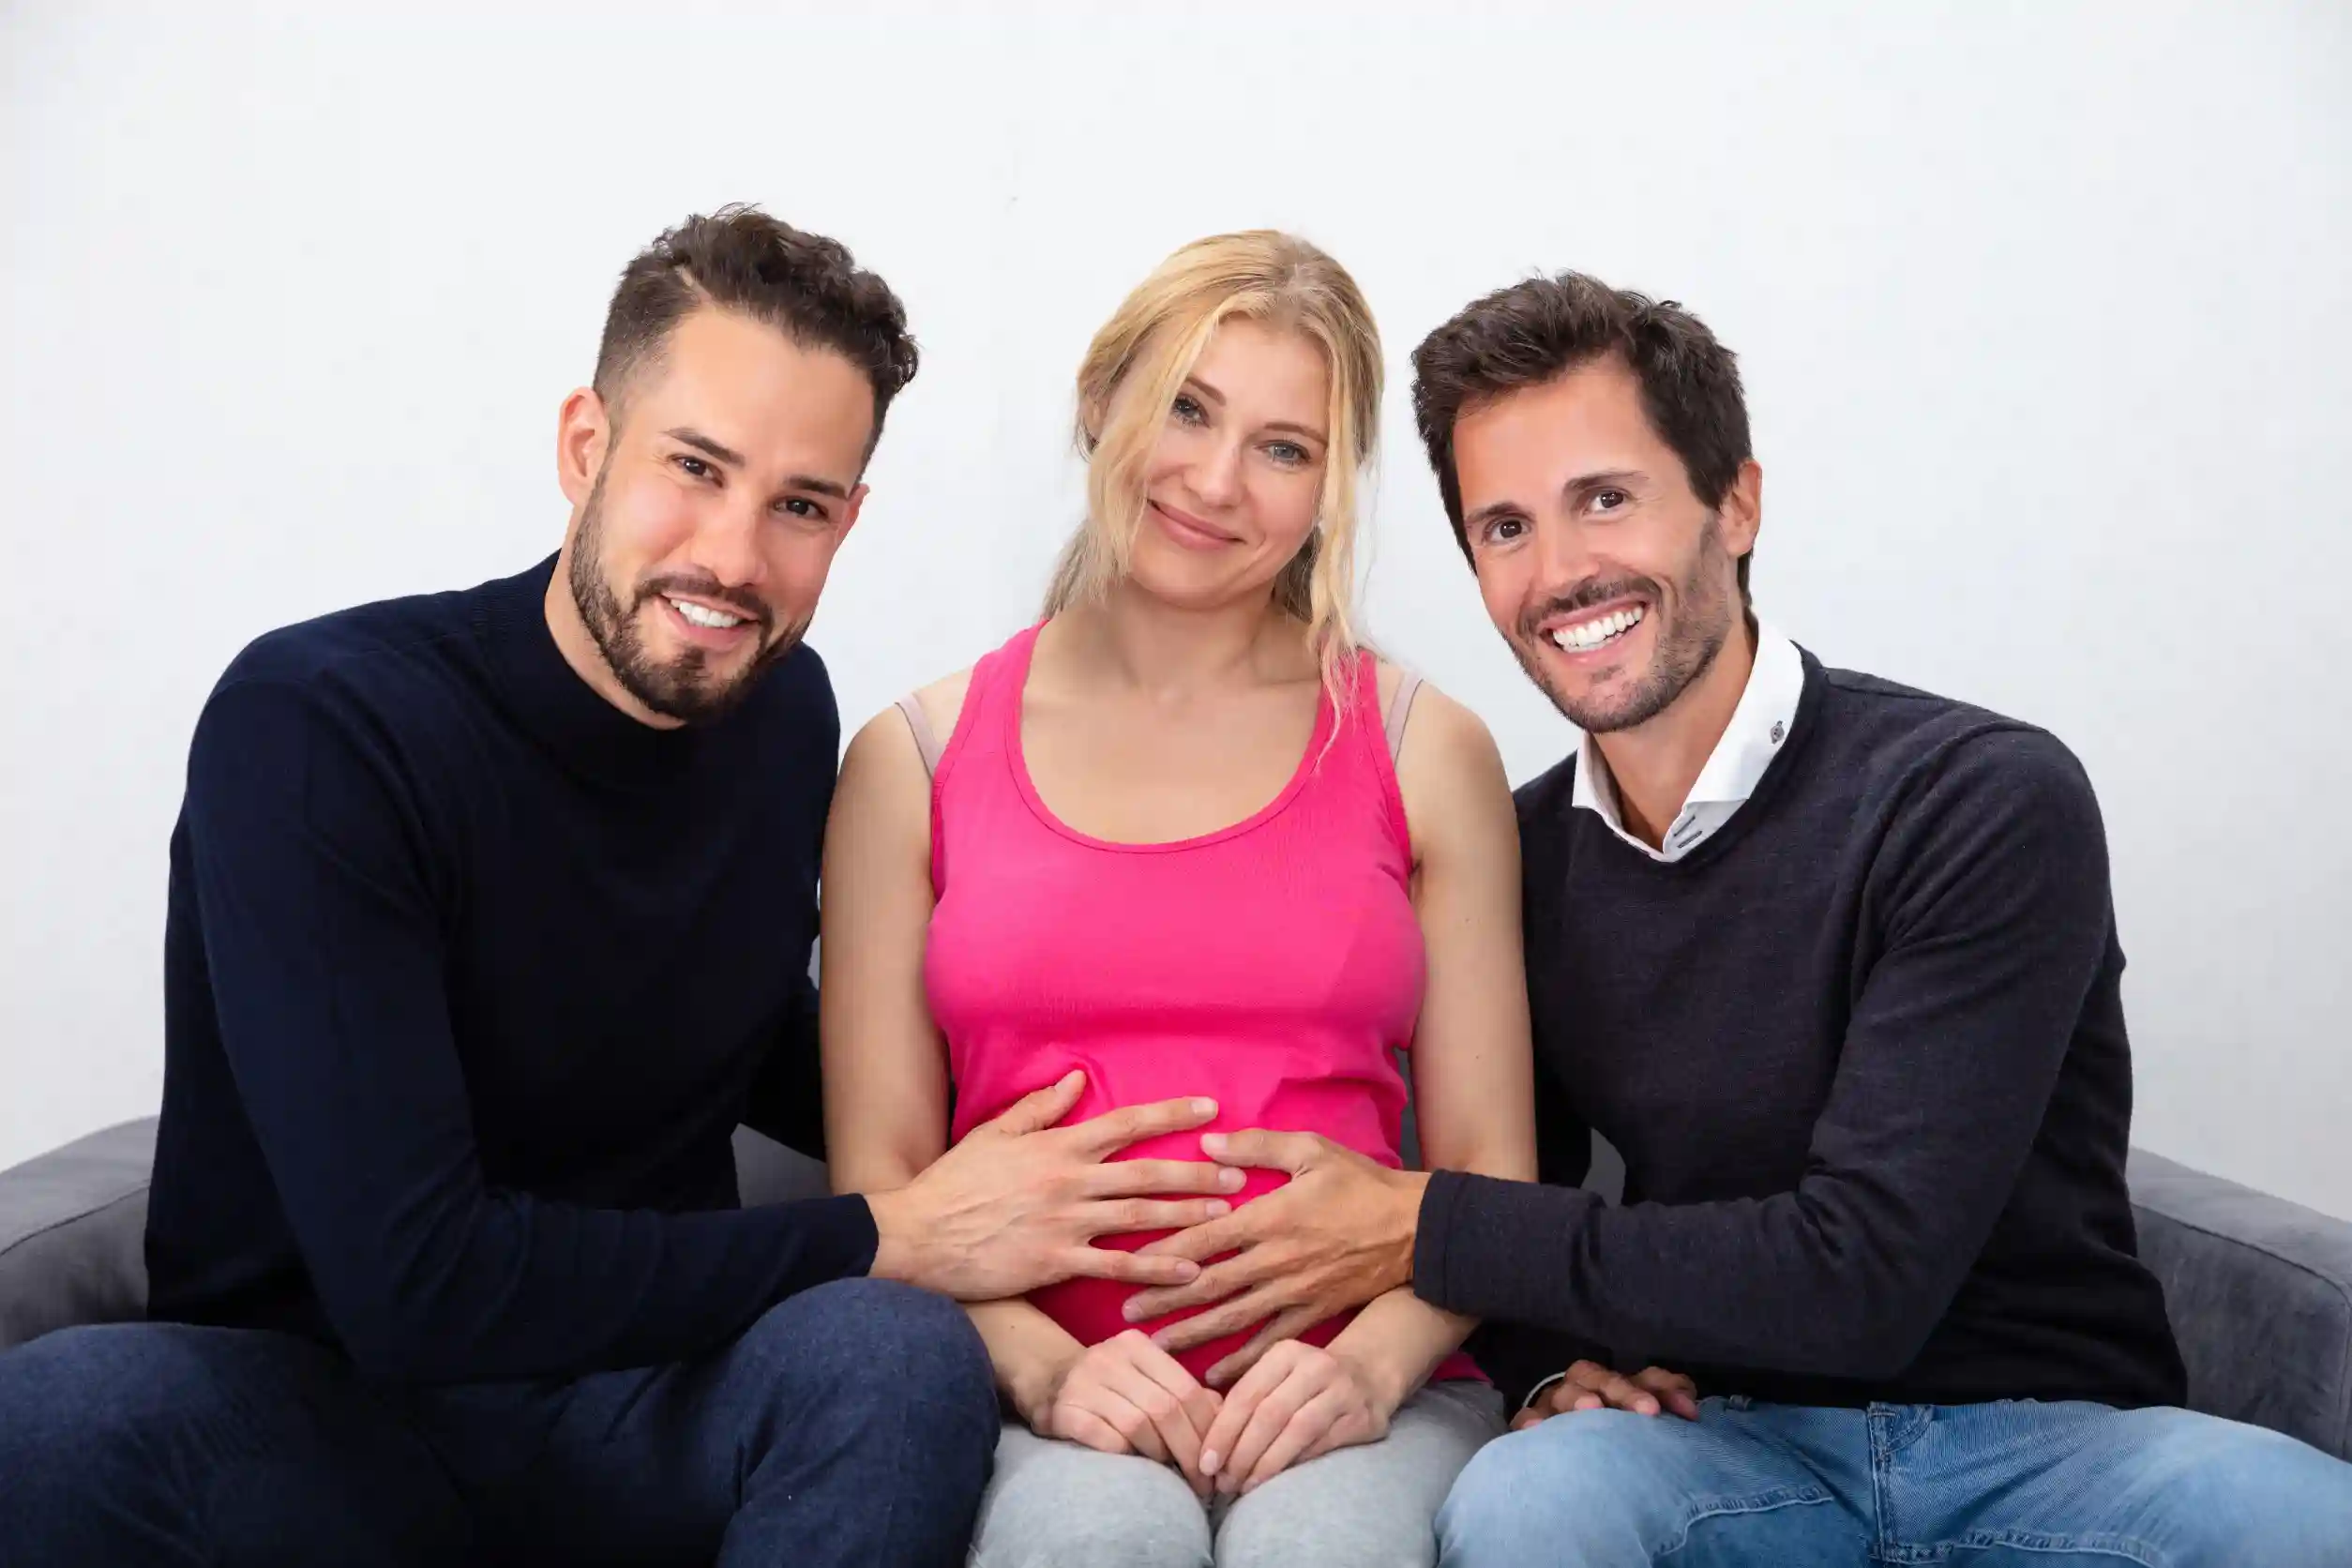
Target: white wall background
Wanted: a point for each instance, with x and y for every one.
(2044, 310)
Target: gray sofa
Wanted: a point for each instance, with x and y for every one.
(2260, 1289)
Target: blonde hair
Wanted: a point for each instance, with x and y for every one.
(1156, 337)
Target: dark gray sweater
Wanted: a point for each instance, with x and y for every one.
(1863, 1052)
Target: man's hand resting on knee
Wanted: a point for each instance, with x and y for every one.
(1590, 1386)
(1019, 1202)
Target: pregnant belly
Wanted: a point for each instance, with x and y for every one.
(1093, 1310)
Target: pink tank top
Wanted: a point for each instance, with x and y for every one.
(1274, 965)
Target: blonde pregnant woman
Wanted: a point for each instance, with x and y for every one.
(1187, 837)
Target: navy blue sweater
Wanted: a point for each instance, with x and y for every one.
(1863, 1052)
(469, 977)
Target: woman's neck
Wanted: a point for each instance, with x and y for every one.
(1165, 652)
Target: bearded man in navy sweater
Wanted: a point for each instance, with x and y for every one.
(490, 917)
(1834, 963)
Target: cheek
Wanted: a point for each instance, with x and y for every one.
(1285, 504)
(798, 563)
(1502, 586)
(644, 524)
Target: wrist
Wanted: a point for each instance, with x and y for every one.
(1386, 1380)
(897, 1238)
(1033, 1382)
(1406, 1190)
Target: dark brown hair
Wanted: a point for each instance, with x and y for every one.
(1536, 331)
(739, 259)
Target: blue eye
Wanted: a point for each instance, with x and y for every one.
(1288, 453)
(1187, 408)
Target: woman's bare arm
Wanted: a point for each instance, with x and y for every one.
(885, 1066)
(1472, 1060)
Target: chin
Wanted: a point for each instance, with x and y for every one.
(1187, 589)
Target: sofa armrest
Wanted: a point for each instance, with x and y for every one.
(73, 1234)
(2260, 1295)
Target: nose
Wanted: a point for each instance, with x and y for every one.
(1563, 556)
(1216, 474)
(727, 542)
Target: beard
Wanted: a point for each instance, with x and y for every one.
(1693, 623)
(685, 687)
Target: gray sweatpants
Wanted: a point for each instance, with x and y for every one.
(1056, 1504)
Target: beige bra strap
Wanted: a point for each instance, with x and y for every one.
(1400, 708)
(925, 741)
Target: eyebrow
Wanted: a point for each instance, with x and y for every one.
(1620, 478)
(705, 445)
(733, 459)
(1218, 397)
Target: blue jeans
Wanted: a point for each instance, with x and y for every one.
(2016, 1484)
(851, 1423)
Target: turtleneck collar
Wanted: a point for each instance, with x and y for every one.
(586, 734)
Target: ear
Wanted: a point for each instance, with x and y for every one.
(1741, 513)
(583, 434)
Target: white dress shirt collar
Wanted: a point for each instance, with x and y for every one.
(1767, 707)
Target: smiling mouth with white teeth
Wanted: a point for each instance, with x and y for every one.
(702, 615)
(1583, 637)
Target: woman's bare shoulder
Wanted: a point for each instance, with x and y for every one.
(1437, 724)
(885, 746)
(942, 702)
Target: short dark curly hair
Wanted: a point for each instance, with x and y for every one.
(739, 259)
(1538, 330)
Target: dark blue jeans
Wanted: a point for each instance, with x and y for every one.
(852, 1424)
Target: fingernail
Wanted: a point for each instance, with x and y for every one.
(1133, 1313)
(1208, 1461)
(1231, 1179)
(1190, 1271)
(1212, 1143)
(1204, 1108)
(1219, 1207)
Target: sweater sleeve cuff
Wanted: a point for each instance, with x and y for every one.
(1497, 1249)
(837, 1239)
